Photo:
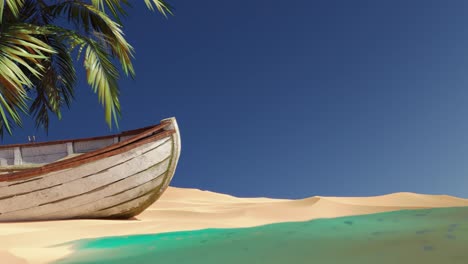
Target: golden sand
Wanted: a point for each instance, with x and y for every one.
(188, 209)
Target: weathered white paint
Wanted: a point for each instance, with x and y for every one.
(83, 185)
(123, 138)
(68, 175)
(18, 160)
(92, 199)
(92, 208)
(124, 207)
(73, 193)
(8, 155)
(70, 148)
(176, 152)
(87, 146)
(43, 154)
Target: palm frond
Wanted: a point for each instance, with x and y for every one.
(162, 6)
(22, 54)
(20, 46)
(116, 7)
(13, 6)
(101, 73)
(33, 12)
(56, 87)
(35, 55)
(10, 106)
(96, 23)
(48, 98)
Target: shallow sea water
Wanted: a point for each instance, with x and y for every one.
(438, 236)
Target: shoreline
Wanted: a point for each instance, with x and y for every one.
(182, 209)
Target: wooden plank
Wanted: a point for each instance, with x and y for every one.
(13, 168)
(91, 210)
(70, 150)
(18, 159)
(8, 156)
(127, 206)
(85, 169)
(114, 149)
(34, 144)
(176, 148)
(85, 184)
(88, 146)
(88, 202)
(116, 181)
(43, 154)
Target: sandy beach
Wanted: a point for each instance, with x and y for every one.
(189, 209)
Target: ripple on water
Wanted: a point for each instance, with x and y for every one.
(432, 239)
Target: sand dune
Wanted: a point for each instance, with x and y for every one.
(188, 209)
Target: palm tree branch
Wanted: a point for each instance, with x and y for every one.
(101, 73)
(13, 6)
(22, 55)
(57, 85)
(95, 22)
(102, 76)
(7, 108)
(163, 6)
(116, 7)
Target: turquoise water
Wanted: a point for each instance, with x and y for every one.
(438, 236)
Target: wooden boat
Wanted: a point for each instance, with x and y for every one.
(115, 176)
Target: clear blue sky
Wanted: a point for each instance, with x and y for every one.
(299, 98)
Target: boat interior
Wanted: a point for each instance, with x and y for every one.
(20, 157)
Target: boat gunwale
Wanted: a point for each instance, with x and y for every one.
(111, 150)
(62, 141)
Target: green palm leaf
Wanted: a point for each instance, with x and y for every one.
(162, 6)
(101, 73)
(35, 55)
(13, 6)
(55, 88)
(22, 54)
(116, 7)
(96, 22)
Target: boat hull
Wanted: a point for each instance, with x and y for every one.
(117, 186)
